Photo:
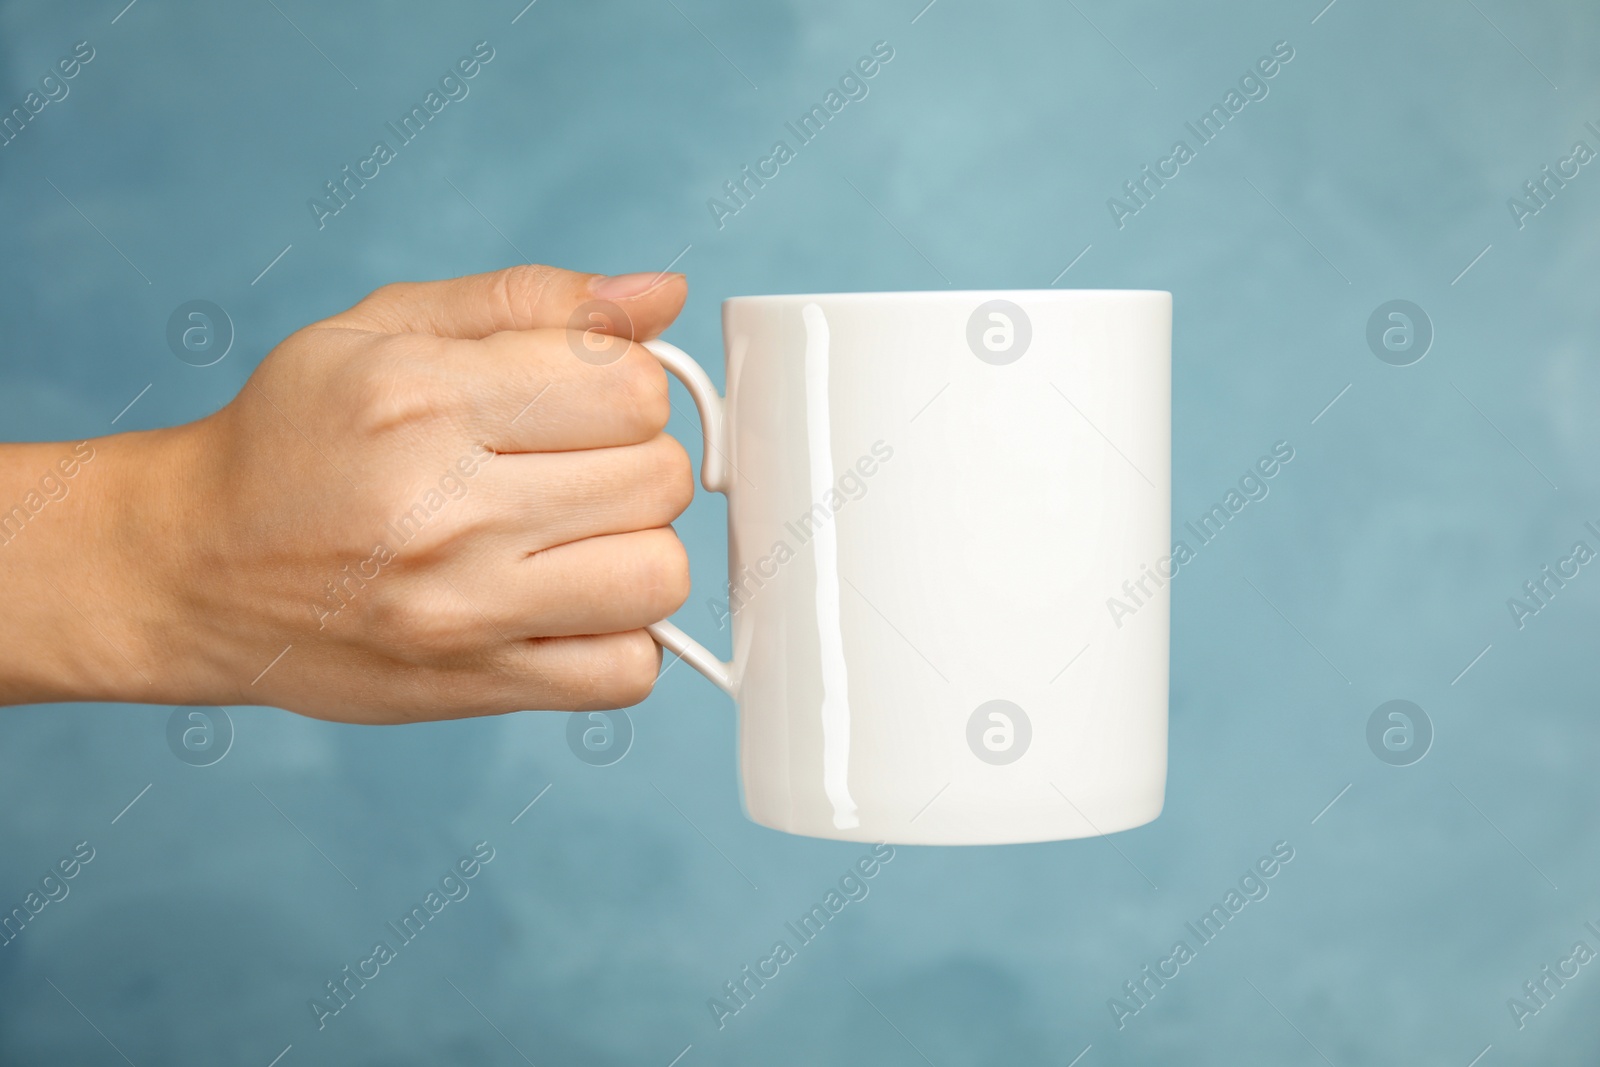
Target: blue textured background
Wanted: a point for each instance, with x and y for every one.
(1415, 506)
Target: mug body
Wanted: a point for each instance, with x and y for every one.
(949, 520)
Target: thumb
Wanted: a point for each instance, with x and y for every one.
(526, 297)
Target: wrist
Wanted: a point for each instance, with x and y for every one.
(87, 575)
(153, 533)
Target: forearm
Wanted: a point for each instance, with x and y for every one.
(82, 561)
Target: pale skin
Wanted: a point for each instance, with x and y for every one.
(446, 501)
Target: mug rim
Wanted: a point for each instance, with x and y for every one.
(910, 295)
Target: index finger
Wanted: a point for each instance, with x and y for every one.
(535, 392)
(524, 297)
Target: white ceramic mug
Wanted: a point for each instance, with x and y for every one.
(931, 499)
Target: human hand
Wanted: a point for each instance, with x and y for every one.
(445, 501)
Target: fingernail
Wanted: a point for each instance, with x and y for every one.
(624, 286)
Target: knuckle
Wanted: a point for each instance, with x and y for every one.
(634, 659)
(419, 520)
(520, 288)
(393, 388)
(678, 475)
(667, 574)
(644, 386)
(378, 308)
(384, 405)
(390, 293)
(421, 627)
(598, 672)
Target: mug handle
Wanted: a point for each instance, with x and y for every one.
(714, 469)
